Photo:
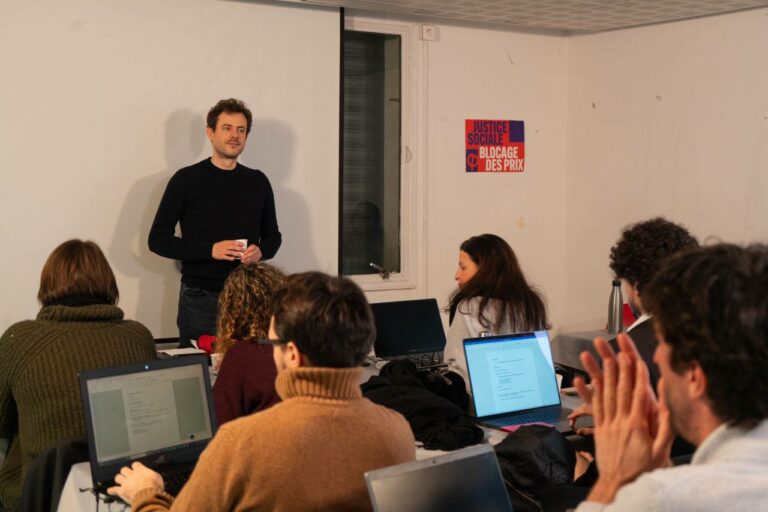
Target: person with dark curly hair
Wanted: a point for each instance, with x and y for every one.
(634, 260)
(710, 308)
(246, 376)
(226, 212)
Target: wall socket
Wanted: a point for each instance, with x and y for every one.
(428, 33)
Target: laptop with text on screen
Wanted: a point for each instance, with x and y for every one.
(513, 381)
(466, 479)
(159, 413)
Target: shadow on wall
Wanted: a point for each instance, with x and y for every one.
(271, 148)
(158, 277)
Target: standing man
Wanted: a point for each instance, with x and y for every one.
(226, 212)
(710, 310)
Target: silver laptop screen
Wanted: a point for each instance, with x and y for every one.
(467, 479)
(138, 414)
(511, 373)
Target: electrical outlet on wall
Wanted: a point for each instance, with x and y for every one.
(428, 33)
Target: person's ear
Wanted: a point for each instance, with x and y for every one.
(209, 132)
(697, 381)
(293, 356)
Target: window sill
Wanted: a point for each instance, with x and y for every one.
(374, 283)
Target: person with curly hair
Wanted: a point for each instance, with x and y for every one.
(710, 309)
(635, 259)
(246, 379)
(492, 295)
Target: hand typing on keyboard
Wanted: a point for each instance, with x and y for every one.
(133, 479)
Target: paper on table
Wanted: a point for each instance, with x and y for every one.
(182, 351)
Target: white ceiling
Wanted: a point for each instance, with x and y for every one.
(570, 16)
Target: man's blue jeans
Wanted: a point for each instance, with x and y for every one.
(197, 313)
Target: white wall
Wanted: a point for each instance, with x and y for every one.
(679, 128)
(101, 102)
(665, 120)
(488, 74)
(105, 102)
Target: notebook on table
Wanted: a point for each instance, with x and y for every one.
(409, 329)
(466, 479)
(513, 381)
(159, 413)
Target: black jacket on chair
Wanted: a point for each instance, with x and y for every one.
(433, 403)
(48, 473)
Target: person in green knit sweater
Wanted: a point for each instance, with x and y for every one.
(310, 451)
(78, 328)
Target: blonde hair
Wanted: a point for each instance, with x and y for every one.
(245, 304)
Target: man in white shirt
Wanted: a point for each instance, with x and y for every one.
(710, 311)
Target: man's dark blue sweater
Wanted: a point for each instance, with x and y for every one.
(212, 205)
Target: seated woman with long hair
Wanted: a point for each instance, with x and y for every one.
(246, 379)
(492, 297)
(78, 328)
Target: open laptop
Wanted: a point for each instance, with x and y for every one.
(513, 381)
(160, 413)
(409, 329)
(467, 479)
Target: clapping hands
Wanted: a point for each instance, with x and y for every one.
(632, 430)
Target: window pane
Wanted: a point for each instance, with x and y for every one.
(370, 199)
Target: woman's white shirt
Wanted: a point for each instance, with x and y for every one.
(466, 324)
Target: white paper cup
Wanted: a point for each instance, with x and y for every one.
(216, 359)
(243, 242)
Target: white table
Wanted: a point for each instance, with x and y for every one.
(72, 500)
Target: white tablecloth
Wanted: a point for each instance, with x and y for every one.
(72, 500)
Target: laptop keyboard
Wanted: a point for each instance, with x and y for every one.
(550, 416)
(176, 476)
(426, 360)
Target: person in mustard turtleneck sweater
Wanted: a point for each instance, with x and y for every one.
(78, 328)
(310, 451)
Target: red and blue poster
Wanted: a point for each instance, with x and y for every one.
(495, 146)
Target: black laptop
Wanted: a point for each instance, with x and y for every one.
(467, 479)
(513, 381)
(160, 413)
(409, 329)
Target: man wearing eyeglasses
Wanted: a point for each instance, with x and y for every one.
(310, 451)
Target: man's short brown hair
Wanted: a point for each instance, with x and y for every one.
(230, 106)
(711, 306)
(77, 267)
(328, 318)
